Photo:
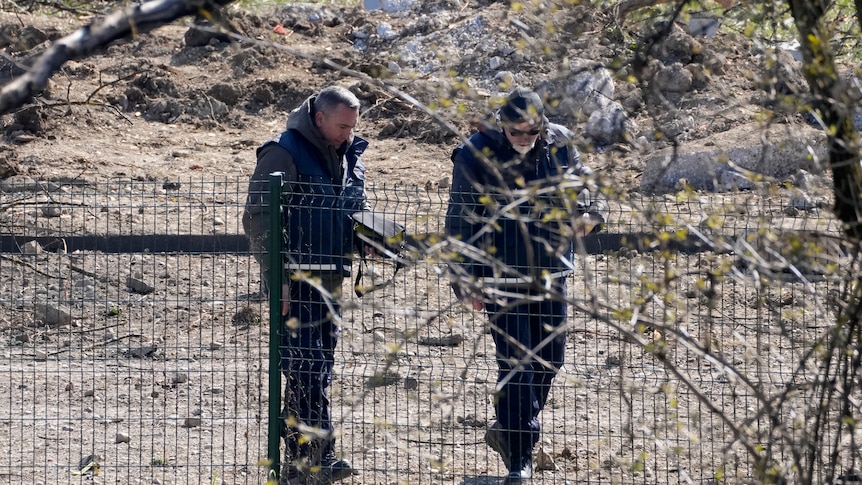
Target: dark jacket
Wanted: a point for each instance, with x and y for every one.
(318, 227)
(323, 186)
(516, 209)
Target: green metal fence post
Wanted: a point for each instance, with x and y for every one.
(274, 283)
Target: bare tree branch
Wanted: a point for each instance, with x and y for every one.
(97, 35)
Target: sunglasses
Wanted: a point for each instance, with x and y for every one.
(516, 133)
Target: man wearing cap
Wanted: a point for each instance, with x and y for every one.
(518, 200)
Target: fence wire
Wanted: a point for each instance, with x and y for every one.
(135, 347)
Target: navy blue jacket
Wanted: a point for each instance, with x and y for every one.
(318, 205)
(504, 205)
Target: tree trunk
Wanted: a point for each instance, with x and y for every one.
(832, 102)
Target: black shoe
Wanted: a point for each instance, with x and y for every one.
(494, 439)
(523, 474)
(329, 471)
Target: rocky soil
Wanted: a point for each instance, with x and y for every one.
(184, 107)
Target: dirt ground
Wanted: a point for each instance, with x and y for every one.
(178, 105)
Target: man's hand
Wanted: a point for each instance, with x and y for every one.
(475, 301)
(285, 300)
(468, 297)
(371, 252)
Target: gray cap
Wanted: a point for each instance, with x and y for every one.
(522, 105)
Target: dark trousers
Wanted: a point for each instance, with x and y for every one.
(523, 383)
(308, 340)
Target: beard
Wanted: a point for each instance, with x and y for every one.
(523, 150)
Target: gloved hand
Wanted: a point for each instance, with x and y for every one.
(594, 212)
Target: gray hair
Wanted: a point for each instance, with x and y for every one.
(328, 99)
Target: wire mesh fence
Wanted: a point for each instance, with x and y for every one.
(135, 348)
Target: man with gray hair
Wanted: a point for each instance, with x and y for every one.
(513, 219)
(324, 182)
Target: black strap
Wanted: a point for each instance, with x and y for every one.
(362, 291)
(402, 258)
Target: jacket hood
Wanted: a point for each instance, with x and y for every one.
(301, 119)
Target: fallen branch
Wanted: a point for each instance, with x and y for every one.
(97, 344)
(97, 35)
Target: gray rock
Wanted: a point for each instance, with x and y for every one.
(395, 6)
(302, 16)
(731, 179)
(207, 107)
(590, 88)
(785, 73)
(385, 31)
(52, 211)
(703, 25)
(199, 38)
(713, 61)
(31, 247)
(23, 183)
(806, 180)
(388, 6)
(52, 314)
(141, 352)
(192, 422)
(411, 383)
(20, 337)
(139, 286)
(676, 125)
(679, 46)
(801, 201)
(505, 77)
(226, 93)
(609, 125)
(776, 151)
(673, 79)
(381, 379)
